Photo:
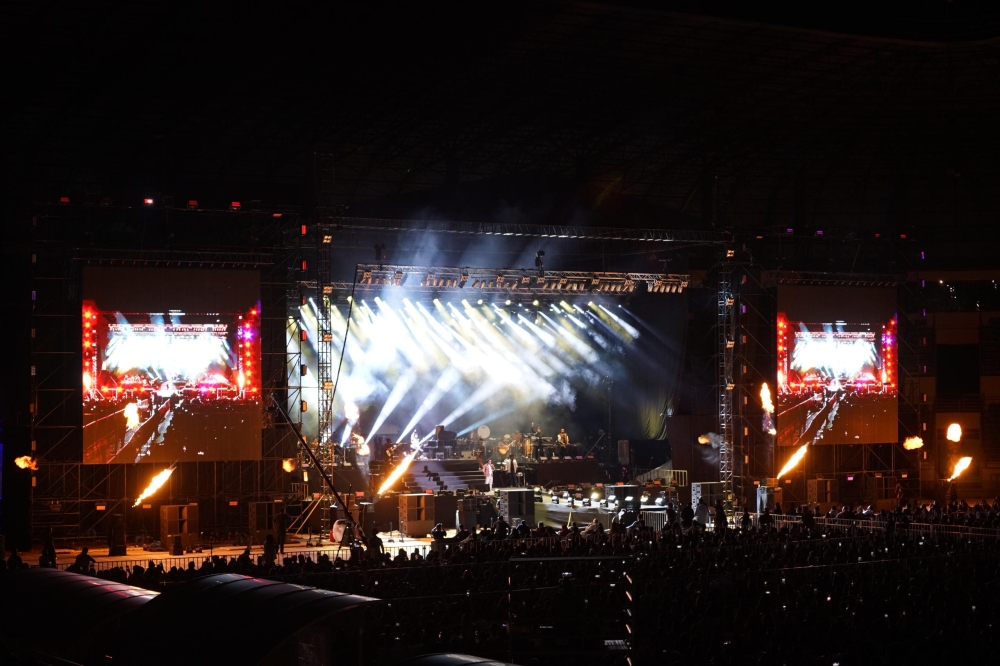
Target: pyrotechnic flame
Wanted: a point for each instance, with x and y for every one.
(131, 416)
(954, 433)
(363, 449)
(154, 485)
(794, 460)
(704, 439)
(960, 466)
(26, 462)
(351, 411)
(399, 471)
(765, 399)
(912, 443)
(288, 464)
(772, 431)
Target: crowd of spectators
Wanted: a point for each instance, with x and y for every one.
(800, 590)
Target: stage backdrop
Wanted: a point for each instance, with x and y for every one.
(171, 361)
(837, 366)
(466, 360)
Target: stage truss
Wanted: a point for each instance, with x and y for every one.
(499, 282)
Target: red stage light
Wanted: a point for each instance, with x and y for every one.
(192, 203)
(63, 199)
(303, 230)
(276, 215)
(148, 201)
(235, 205)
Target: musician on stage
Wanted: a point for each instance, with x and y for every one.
(488, 473)
(510, 470)
(562, 443)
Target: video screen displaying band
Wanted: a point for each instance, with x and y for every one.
(171, 362)
(837, 366)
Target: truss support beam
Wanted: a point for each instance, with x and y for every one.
(335, 224)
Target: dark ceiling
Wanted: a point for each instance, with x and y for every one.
(853, 118)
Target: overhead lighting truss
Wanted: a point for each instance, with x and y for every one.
(437, 279)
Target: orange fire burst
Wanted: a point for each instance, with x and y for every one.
(288, 464)
(960, 466)
(794, 460)
(131, 413)
(154, 485)
(954, 433)
(26, 462)
(913, 443)
(765, 398)
(401, 468)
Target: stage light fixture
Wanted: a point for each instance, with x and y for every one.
(147, 201)
(507, 302)
(464, 279)
(327, 239)
(479, 302)
(192, 203)
(397, 278)
(234, 205)
(534, 302)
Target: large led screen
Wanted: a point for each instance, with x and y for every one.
(837, 366)
(171, 362)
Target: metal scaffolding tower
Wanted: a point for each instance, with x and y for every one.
(324, 277)
(726, 333)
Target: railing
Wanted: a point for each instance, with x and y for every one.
(928, 529)
(670, 476)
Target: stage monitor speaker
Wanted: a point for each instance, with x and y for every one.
(468, 512)
(622, 493)
(116, 535)
(261, 521)
(765, 498)
(416, 514)
(518, 504)
(179, 520)
(711, 491)
(623, 452)
(821, 491)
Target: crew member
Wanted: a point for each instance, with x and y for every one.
(280, 523)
